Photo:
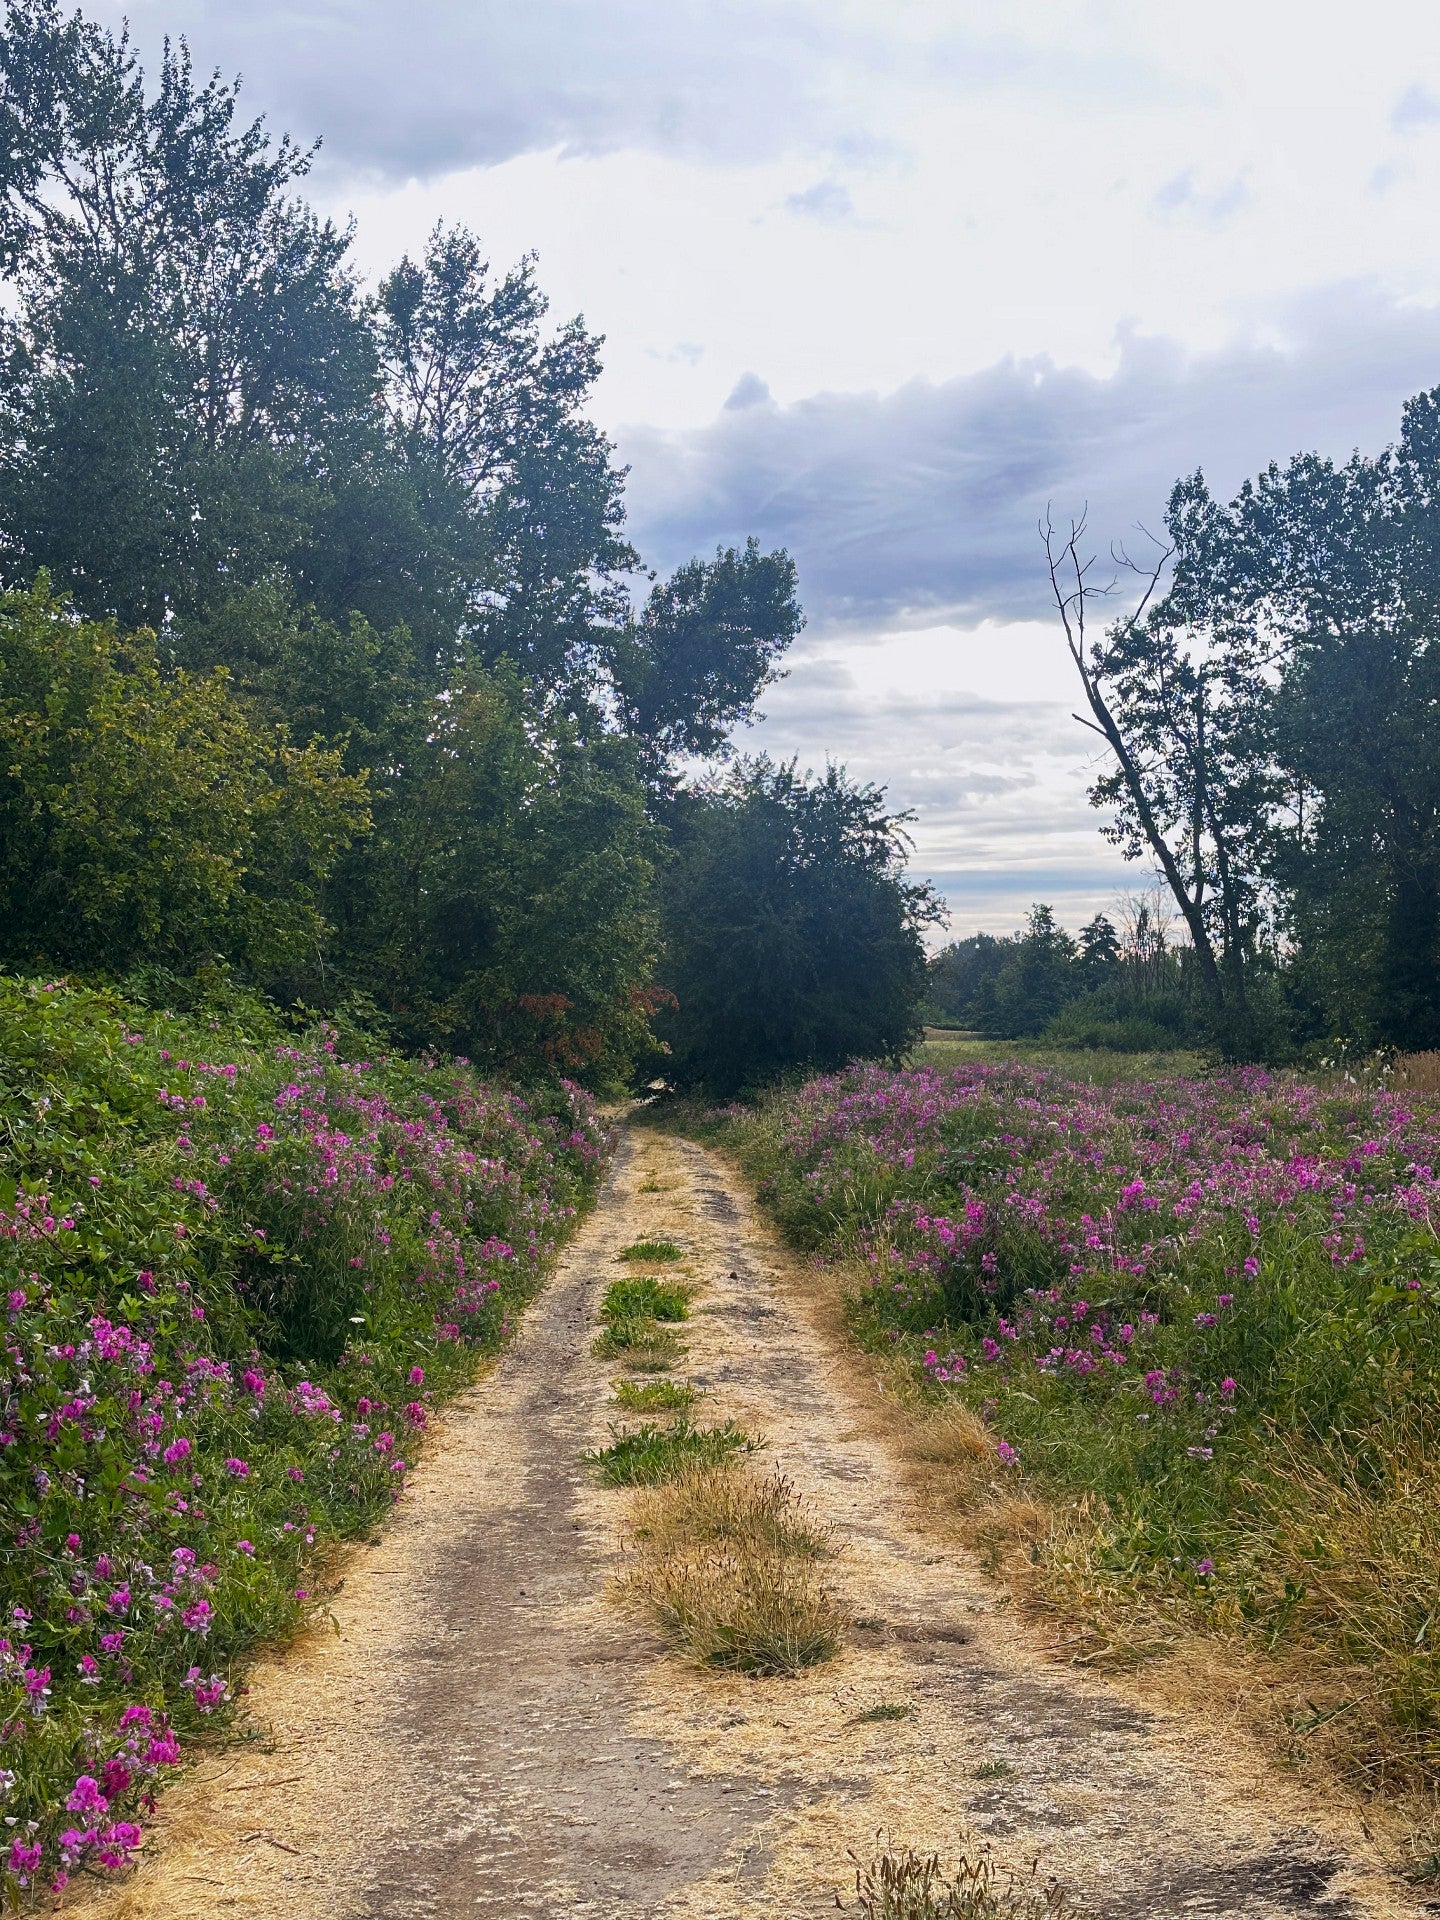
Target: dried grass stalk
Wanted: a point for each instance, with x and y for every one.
(728, 1562)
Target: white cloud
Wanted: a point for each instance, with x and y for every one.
(922, 504)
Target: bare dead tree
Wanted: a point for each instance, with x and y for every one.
(1073, 590)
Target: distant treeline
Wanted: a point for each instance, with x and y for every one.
(1127, 987)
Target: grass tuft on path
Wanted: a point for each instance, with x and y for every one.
(907, 1885)
(651, 1252)
(647, 1455)
(638, 1297)
(640, 1344)
(727, 1562)
(654, 1396)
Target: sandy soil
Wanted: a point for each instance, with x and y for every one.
(487, 1733)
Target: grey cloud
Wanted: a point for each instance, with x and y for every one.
(920, 505)
(406, 91)
(748, 391)
(416, 91)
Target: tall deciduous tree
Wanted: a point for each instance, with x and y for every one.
(791, 936)
(1181, 699)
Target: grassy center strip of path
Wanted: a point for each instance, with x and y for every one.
(724, 1557)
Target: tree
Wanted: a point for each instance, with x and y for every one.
(145, 817)
(791, 937)
(1099, 952)
(957, 974)
(190, 361)
(380, 532)
(505, 907)
(1332, 574)
(1038, 977)
(1182, 701)
(694, 663)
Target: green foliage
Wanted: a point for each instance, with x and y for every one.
(1271, 725)
(1201, 1316)
(791, 937)
(146, 816)
(393, 526)
(648, 1455)
(702, 650)
(651, 1251)
(238, 1272)
(504, 904)
(642, 1298)
(1131, 993)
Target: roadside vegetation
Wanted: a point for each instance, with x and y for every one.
(1179, 1340)
(239, 1272)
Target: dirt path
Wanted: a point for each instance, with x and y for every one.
(487, 1734)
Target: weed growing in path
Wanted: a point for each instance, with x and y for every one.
(884, 1710)
(640, 1298)
(654, 1396)
(650, 1454)
(912, 1886)
(728, 1564)
(652, 1252)
(641, 1345)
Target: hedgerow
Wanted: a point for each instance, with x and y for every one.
(237, 1271)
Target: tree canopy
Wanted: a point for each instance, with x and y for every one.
(791, 937)
(364, 549)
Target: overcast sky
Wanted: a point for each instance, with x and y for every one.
(880, 279)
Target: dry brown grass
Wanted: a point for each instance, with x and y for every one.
(728, 1562)
(905, 1885)
(1418, 1072)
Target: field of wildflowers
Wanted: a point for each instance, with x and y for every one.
(237, 1272)
(1199, 1317)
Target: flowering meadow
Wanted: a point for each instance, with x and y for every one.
(237, 1273)
(1200, 1319)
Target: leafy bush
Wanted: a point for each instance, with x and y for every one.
(147, 816)
(237, 1271)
